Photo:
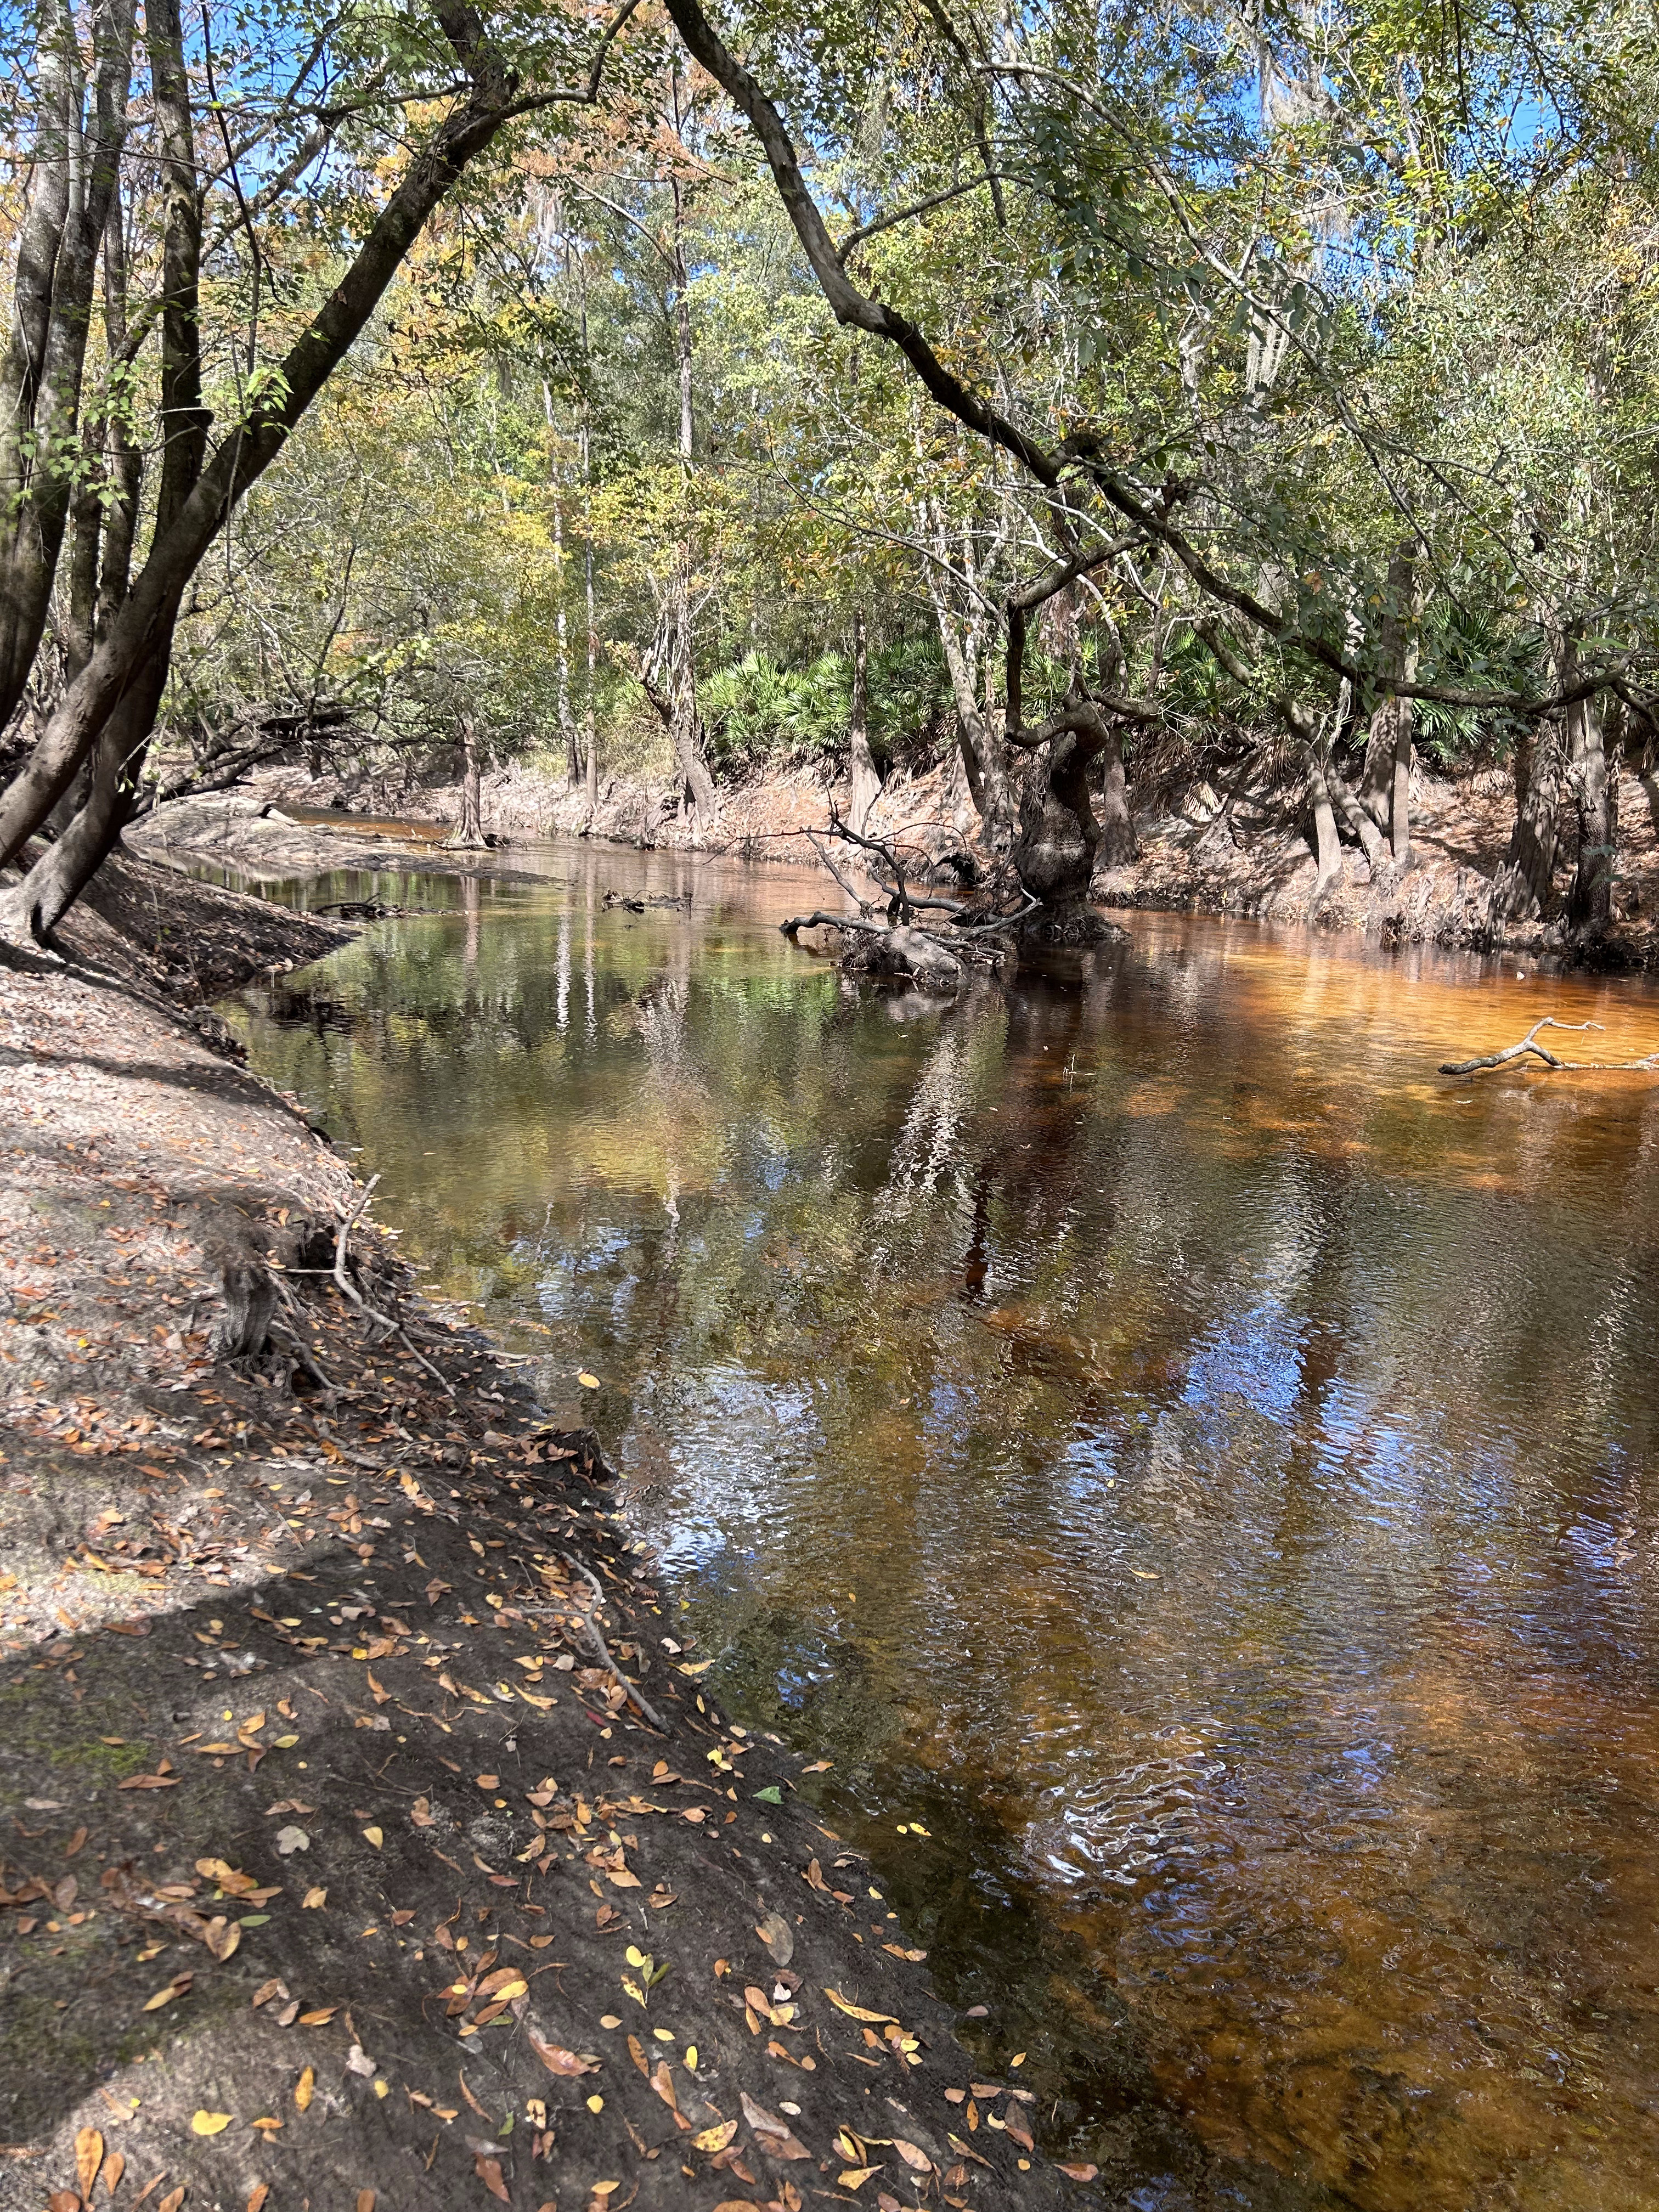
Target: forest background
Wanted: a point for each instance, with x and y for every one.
(1087, 402)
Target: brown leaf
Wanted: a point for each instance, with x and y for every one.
(114, 2167)
(89, 2157)
(172, 2201)
(365, 2200)
(636, 2052)
(256, 2196)
(63, 2200)
(488, 2171)
(914, 2156)
(713, 2139)
(558, 2060)
(663, 2082)
(772, 2133)
(303, 2088)
(179, 1987)
(814, 1877)
(1017, 2128)
(1084, 2173)
(421, 1814)
(153, 1782)
(779, 1938)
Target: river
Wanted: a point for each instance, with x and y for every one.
(1184, 1462)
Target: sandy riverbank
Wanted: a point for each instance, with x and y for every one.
(367, 1837)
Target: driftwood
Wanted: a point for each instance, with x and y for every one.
(1530, 1046)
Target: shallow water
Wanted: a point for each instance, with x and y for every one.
(1146, 1428)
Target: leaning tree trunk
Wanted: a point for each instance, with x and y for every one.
(1594, 782)
(142, 627)
(1053, 854)
(866, 779)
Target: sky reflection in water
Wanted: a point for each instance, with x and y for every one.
(1146, 1426)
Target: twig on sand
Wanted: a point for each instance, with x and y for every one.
(633, 1695)
(1529, 1044)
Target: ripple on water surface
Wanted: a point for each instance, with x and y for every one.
(1157, 1436)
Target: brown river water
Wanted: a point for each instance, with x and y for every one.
(1185, 1463)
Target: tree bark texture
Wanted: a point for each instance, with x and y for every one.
(1595, 783)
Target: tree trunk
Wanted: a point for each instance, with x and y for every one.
(866, 781)
(1059, 836)
(1384, 783)
(467, 836)
(573, 767)
(1327, 850)
(1595, 782)
(58, 267)
(685, 723)
(1117, 847)
(144, 628)
(1524, 884)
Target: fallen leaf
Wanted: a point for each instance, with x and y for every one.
(365, 2200)
(421, 1814)
(359, 2062)
(292, 1839)
(150, 1782)
(776, 2138)
(178, 1988)
(172, 2201)
(1086, 2172)
(256, 2197)
(313, 1900)
(210, 2123)
(715, 2138)
(303, 2088)
(855, 2176)
(114, 2167)
(374, 1836)
(558, 2060)
(778, 1936)
(859, 2012)
(320, 2018)
(914, 2156)
(588, 1382)
(89, 2157)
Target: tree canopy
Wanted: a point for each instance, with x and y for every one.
(694, 389)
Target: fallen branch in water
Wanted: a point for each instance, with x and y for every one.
(1529, 1044)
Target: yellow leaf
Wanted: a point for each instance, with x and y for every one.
(89, 2157)
(210, 2123)
(716, 2138)
(596, 2104)
(313, 1900)
(374, 1837)
(691, 2057)
(588, 1382)
(858, 2011)
(855, 2176)
(303, 2088)
(284, 1742)
(166, 1996)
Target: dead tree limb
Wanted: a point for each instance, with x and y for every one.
(630, 1690)
(1529, 1045)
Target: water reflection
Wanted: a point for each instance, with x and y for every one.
(1150, 1431)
